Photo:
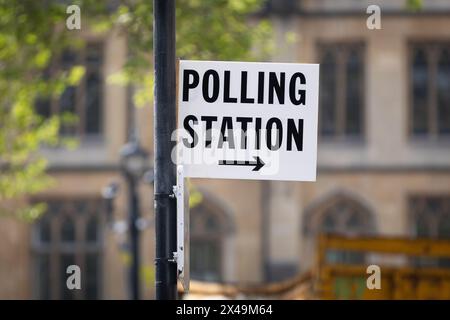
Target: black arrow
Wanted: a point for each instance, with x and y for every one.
(258, 163)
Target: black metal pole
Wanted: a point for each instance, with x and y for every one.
(133, 216)
(164, 124)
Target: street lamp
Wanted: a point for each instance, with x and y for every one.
(109, 193)
(133, 160)
(133, 164)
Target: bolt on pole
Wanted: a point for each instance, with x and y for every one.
(165, 169)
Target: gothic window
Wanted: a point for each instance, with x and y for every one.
(344, 216)
(341, 215)
(431, 215)
(209, 227)
(69, 233)
(430, 89)
(342, 90)
(84, 101)
(431, 219)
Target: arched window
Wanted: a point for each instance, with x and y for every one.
(431, 219)
(209, 227)
(431, 216)
(68, 233)
(339, 214)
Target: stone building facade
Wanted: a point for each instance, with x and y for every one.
(383, 160)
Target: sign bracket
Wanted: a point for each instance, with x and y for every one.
(181, 256)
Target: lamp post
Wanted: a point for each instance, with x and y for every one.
(133, 164)
(165, 170)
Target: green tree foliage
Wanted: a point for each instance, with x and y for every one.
(414, 5)
(206, 30)
(30, 36)
(33, 34)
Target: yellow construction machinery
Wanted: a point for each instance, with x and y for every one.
(409, 269)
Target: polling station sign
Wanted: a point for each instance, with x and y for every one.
(248, 120)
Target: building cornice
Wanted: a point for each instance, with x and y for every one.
(100, 168)
(392, 169)
(351, 13)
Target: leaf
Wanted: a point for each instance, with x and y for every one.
(414, 5)
(75, 75)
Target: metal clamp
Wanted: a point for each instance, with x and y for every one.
(164, 260)
(178, 192)
(159, 196)
(181, 256)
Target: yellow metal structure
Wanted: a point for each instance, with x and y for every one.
(399, 280)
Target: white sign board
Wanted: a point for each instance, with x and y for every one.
(246, 120)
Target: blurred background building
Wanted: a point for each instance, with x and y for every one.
(383, 160)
